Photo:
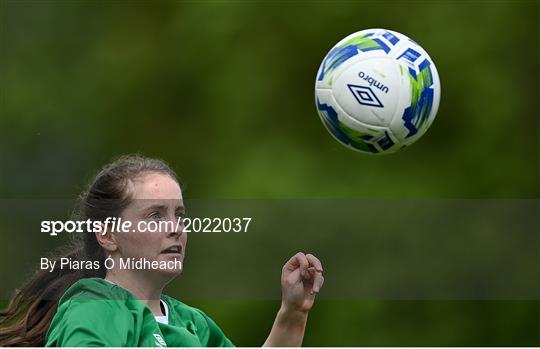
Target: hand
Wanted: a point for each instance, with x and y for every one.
(301, 280)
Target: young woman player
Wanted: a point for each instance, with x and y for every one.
(126, 307)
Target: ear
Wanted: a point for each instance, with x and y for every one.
(106, 238)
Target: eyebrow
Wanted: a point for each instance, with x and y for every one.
(163, 207)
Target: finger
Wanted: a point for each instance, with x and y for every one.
(299, 260)
(318, 282)
(314, 261)
(316, 279)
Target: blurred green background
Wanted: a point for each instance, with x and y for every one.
(224, 92)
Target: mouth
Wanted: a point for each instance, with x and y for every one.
(173, 250)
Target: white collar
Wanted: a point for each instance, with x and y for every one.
(164, 319)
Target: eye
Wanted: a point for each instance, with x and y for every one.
(180, 215)
(154, 215)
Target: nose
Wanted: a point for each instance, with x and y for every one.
(177, 229)
(174, 234)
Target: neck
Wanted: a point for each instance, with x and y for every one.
(142, 288)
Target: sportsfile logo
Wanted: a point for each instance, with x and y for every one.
(372, 82)
(118, 224)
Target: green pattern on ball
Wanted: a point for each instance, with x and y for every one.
(344, 51)
(423, 81)
(355, 138)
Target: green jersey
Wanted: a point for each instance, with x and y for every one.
(94, 312)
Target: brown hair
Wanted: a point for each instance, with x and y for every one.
(28, 316)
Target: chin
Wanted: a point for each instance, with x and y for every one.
(169, 275)
(174, 266)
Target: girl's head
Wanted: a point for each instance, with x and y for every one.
(132, 187)
(145, 193)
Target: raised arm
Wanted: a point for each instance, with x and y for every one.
(301, 280)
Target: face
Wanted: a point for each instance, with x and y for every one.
(157, 205)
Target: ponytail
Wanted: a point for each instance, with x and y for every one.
(32, 309)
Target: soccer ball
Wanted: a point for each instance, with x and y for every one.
(377, 91)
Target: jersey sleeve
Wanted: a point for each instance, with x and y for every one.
(89, 323)
(210, 333)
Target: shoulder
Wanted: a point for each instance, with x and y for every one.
(95, 296)
(207, 330)
(90, 308)
(93, 289)
(99, 298)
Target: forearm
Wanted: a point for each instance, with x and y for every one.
(288, 329)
